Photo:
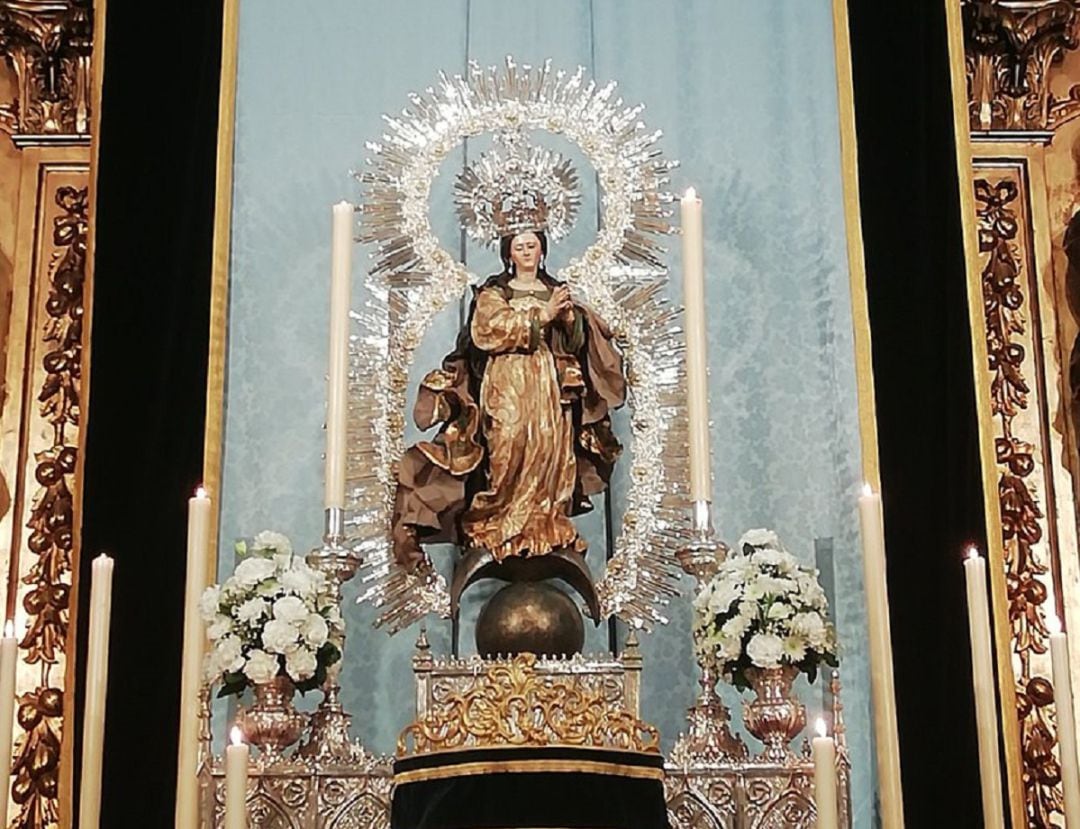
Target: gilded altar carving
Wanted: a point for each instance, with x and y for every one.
(1023, 95)
(46, 578)
(47, 43)
(513, 704)
(1011, 50)
(1000, 197)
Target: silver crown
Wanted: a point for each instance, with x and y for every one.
(515, 187)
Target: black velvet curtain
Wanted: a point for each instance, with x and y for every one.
(146, 408)
(931, 480)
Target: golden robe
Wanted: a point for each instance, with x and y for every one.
(524, 510)
(525, 431)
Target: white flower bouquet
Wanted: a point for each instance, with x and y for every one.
(763, 610)
(274, 616)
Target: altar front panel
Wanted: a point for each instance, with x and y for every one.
(746, 95)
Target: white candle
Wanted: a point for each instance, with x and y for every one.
(825, 787)
(9, 650)
(236, 774)
(875, 583)
(982, 675)
(697, 383)
(198, 546)
(97, 678)
(1066, 723)
(337, 382)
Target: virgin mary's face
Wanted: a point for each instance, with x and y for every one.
(525, 251)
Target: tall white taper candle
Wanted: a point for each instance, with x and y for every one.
(236, 778)
(9, 650)
(825, 787)
(97, 680)
(1066, 722)
(982, 677)
(198, 547)
(697, 381)
(875, 583)
(337, 375)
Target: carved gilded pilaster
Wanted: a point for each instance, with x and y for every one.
(1025, 473)
(1022, 65)
(45, 439)
(1011, 49)
(46, 95)
(47, 44)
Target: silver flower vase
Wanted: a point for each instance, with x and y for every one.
(775, 716)
(271, 723)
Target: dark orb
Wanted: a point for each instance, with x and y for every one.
(530, 617)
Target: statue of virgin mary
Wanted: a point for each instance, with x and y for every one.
(522, 406)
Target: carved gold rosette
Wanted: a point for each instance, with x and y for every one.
(512, 704)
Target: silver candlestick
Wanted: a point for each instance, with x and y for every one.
(708, 740)
(329, 739)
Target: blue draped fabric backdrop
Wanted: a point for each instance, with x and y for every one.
(746, 96)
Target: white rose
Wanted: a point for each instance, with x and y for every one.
(776, 586)
(701, 600)
(722, 597)
(315, 630)
(218, 627)
(301, 664)
(209, 601)
(728, 649)
(794, 648)
(812, 594)
(735, 627)
(269, 540)
(229, 655)
(811, 627)
(297, 581)
(251, 571)
(759, 538)
(279, 636)
(261, 667)
(753, 590)
(773, 558)
(779, 610)
(252, 610)
(765, 650)
(290, 609)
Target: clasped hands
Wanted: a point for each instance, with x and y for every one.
(558, 306)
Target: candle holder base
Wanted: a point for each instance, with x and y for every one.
(329, 738)
(329, 742)
(708, 741)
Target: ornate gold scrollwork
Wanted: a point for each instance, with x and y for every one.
(47, 43)
(1011, 48)
(513, 705)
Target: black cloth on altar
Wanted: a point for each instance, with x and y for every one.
(505, 788)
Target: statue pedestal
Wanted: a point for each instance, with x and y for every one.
(528, 742)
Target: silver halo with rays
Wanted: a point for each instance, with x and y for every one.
(620, 275)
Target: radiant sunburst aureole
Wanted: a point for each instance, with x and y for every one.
(621, 275)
